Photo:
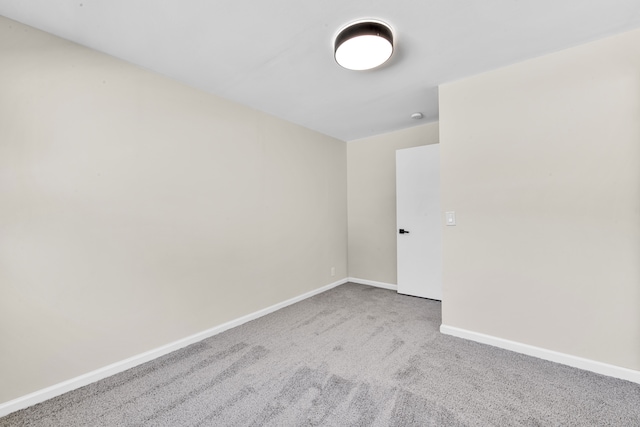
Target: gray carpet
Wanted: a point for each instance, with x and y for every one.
(352, 356)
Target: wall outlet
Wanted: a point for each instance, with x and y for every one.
(333, 271)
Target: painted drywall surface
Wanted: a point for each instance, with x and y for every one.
(541, 163)
(135, 211)
(371, 164)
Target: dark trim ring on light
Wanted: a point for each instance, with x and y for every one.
(363, 45)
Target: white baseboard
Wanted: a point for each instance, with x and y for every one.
(542, 353)
(373, 283)
(93, 376)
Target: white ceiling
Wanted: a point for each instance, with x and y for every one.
(277, 55)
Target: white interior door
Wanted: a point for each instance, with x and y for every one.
(419, 225)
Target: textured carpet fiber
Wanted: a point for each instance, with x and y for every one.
(355, 355)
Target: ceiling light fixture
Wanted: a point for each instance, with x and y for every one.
(363, 45)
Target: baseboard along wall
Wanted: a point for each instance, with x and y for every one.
(542, 353)
(374, 283)
(121, 366)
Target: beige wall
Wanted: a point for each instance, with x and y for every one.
(371, 164)
(135, 211)
(541, 162)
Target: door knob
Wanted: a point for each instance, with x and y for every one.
(403, 231)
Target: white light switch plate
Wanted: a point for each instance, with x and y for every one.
(450, 218)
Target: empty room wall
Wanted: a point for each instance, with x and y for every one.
(371, 164)
(135, 211)
(541, 162)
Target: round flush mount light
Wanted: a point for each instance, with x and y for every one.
(363, 45)
(417, 116)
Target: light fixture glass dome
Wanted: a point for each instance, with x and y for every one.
(363, 45)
